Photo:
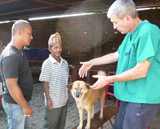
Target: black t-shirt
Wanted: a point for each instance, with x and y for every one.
(14, 64)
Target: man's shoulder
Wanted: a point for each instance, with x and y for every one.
(149, 26)
(47, 61)
(65, 61)
(9, 52)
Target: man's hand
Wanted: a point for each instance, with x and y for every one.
(101, 82)
(84, 68)
(49, 104)
(28, 111)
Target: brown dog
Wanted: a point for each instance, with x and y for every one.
(85, 98)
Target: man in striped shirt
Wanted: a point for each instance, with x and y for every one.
(54, 75)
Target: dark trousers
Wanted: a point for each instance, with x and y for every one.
(135, 115)
(55, 118)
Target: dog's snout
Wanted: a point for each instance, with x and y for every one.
(77, 94)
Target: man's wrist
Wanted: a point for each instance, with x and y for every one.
(48, 98)
(91, 63)
(111, 79)
(25, 105)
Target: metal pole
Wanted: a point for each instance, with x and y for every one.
(1, 46)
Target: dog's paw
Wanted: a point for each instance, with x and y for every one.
(100, 117)
(79, 127)
(87, 127)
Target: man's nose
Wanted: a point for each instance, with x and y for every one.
(59, 49)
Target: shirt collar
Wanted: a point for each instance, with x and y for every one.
(55, 61)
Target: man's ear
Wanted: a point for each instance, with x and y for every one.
(128, 18)
(19, 31)
(69, 86)
(49, 49)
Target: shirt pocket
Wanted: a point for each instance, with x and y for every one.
(133, 57)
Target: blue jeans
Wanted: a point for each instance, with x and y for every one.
(16, 118)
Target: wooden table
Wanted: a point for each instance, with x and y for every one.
(96, 123)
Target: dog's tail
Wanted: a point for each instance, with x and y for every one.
(101, 72)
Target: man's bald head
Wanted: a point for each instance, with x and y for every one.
(19, 24)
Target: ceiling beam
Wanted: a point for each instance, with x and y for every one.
(149, 3)
(7, 2)
(26, 10)
(48, 3)
(84, 2)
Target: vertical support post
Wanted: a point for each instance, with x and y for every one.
(1, 46)
(98, 35)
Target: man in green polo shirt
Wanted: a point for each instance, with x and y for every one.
(137, 79)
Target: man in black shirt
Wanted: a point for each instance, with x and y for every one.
(16, 77)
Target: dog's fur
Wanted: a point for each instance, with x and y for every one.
(85, 98)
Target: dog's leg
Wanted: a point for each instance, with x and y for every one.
(92, 116)
(81, 118)
(102, 107)
(89, 110)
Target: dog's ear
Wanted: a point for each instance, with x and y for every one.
(69, 86)
(88, 86)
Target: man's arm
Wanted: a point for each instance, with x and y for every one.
(107, 59)
(46, 90)
(139, 71)
(17, 95)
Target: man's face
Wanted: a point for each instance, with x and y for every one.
(120, 24)
(56, 50)
(27, 35)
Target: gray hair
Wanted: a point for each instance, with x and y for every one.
(19, 24)
(120, 8)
